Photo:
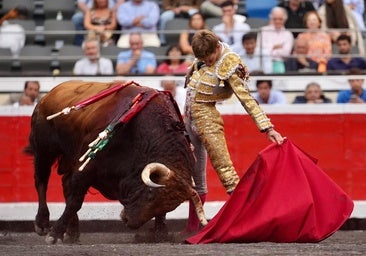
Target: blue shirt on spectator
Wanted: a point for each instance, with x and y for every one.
(146, 59)
(345, 96)
(338, 64)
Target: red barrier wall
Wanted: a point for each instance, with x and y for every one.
(337, 140)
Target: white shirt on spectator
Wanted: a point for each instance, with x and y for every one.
(12, 36)
(103, 66)
(233, 39)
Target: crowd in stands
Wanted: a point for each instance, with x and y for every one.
(300, 36)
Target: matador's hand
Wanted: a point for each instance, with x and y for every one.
(274, 136)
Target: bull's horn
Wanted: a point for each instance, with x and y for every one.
(151, 168)
(199, 208)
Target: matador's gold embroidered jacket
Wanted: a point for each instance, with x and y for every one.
(218, 82)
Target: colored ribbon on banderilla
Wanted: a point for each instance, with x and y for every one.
(137, 104)
(91, 100)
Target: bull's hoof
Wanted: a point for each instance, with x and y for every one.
(71, 238)
(42, 231)
(53, 240)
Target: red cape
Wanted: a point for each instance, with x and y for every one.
(283, 197)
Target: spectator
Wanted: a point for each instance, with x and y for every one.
(176, 9)
(29, 97)
(277, 39)
(136, 60)
(140, 16)
(254, 57)
(175, 63)
(13, 36)
(196, 22)
(299, 60)
(92, 63)
(337, 17)
(78, 17)
(101, 20)
(296, 10)
(320, 44)
(231, 30)
(313, 94)
(345, 61)
(358, 9)
(177, 91)
(357, 94)
(266, 95)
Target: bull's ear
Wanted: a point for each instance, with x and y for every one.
(153, 173)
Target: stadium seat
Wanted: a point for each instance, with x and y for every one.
(256, 23)
(111, 52)
(259, 9)
(67, 56)
(59, 32)
(174, 28)
(35, 58)
(213, 21)
(5, 60)
(52, 7)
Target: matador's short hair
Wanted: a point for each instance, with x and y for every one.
(204, 43)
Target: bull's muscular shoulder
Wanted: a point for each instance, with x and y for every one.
(227, 65)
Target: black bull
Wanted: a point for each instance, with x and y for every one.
(152, 142)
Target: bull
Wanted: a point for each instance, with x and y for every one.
(146, 165)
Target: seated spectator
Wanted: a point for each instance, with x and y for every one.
(299, 60)
(101, 20)
(92, 63)
(313, 94)
(254, 57)
(29, 97)
(277, 39)
(296, 10)
(136, 60)
(357, 94)
(231, 30)
(175, 63)
(320, 44)
(140, 16)
(345, 61)
(177, 91)
(13, 36)
(196, 22)
(337, 17)
(176, 9)
(358, 9)
(266, 95)
(83, 7)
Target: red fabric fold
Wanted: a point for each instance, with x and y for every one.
(283, 197)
